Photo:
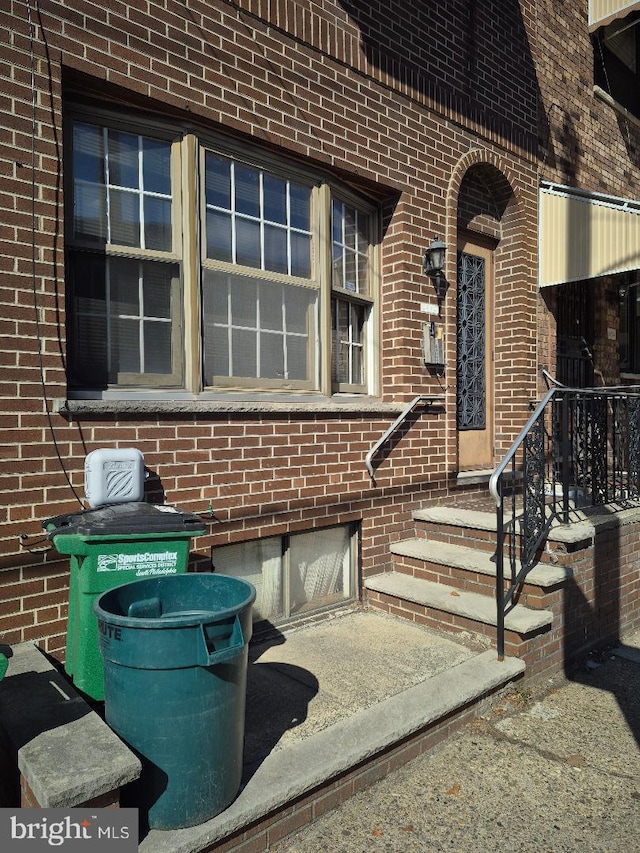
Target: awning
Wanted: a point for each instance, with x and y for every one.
(585, 235)
(602, 12)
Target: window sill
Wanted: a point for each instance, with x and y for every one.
(226, 404)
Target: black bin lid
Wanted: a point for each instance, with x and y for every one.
(125, 518)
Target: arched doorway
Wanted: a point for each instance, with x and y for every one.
(486, 215)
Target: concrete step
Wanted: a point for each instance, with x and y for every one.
(581, 528)
(316, 762)
(473, 560)
(447, 599)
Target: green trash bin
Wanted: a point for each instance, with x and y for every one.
(110, 546)
(175, 671)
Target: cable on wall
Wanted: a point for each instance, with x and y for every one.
(36, 307)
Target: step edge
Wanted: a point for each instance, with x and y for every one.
(463, 603)
(463, 557)
(290, 773)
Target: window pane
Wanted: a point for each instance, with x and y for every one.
(123, 160)
(156, 289)
(125, 218)
(270, 333)
(156, 165)
(218, 182)
(215, 298)
(244, 345)
(125, 347)
(275, 199)
(337, 267)
(247, 186)
(219, 236)
(301, 255)
(124, 275)
(90, 212)
(271, 356)
(300, 207)
(247, 243)
(275, 249)
(244, 299)
(363, 233)
(319, 568)
(88, 153)
(216, 355)
(298, 302)
(297, 358)
(260, 563)
(157, 223)
(347, 350)
(87, 281)
(350, 273)
(88, 328)
(349, 227)
(157, 347)
(271, 307)
(89, 348)
(337, 222)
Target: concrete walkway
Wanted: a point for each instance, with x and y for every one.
(537, 775)
(331, 695)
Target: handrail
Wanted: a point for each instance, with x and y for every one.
(579, 448)
(524, 432)
(394, 426)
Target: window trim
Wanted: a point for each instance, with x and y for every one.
(189, 147)
(78, 246)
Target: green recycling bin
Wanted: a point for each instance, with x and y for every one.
(175, 671)
(110, 546)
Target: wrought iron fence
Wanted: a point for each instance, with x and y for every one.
(579, 449)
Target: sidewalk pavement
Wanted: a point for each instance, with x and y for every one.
(558, 773)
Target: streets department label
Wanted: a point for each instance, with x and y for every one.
(145, 564)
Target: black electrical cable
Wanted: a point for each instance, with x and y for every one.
(33, 258)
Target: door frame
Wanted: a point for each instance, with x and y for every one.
(476, 445)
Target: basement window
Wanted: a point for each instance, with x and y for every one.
(296, 574)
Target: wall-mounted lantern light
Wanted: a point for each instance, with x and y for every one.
(433, 259)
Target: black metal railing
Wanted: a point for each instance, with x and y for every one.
(579, 449)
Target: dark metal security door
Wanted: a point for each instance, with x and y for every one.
(474, 369)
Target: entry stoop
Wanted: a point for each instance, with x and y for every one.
(348, 701)
(445, 578)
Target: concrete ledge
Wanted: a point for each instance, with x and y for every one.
(471, 605)
(472, 560)
(65, 752)
(582, 528)
(289, 773)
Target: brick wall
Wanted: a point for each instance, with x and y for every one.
(399, 101)
(583, 143)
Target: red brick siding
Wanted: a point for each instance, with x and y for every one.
(401, 104)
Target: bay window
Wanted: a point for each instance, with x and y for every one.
(192, 266)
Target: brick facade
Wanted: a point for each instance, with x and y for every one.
(431, 115)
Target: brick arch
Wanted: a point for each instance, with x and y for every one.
(504, 212)
(505, 183)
